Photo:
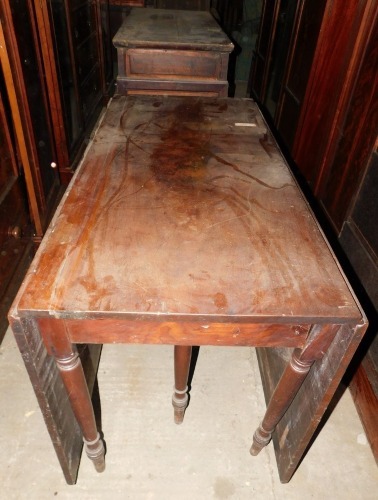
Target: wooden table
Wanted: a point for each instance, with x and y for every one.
(184, 226)
(163, 51)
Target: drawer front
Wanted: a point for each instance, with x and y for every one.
(173, 64)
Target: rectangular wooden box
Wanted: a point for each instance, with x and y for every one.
(172, 52)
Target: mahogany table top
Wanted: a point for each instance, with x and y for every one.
(185, 208)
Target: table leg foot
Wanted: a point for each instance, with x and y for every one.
(95, 451)
(260, 439)
(180, 398)
(288, 386)
(179, 402)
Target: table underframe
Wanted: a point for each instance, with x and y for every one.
(295, 429)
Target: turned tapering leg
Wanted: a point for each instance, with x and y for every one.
(286, 389)
(180, 398)
(74, 380)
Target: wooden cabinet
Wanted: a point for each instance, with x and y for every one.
(76, 52)
(26, 88)
(315, 76)
(14, 212)
(283, 58)
(28, 183)
(56, 68)
(340, 97)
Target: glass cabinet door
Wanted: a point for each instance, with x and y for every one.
(65, 65)
(280, 51)
(22, 40)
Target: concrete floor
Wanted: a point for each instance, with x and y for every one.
(149, 457)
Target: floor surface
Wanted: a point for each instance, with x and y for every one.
(149, 457)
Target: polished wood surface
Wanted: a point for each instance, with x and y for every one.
(184, 226)
(172, 51)
(165, 180)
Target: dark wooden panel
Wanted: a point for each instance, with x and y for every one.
(338, 185)
(263, 50)
(365, 212)
(304, 41)
(361, 257)
(365, 395)
(339, 50)
(52, 395)
(84, 22)
(304, 411)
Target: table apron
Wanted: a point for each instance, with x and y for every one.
(111, 331)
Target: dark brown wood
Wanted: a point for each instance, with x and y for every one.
(150, 331)
(51, 394)
(289, 384)
(333, 147)
(363, 388)
(75, 46)
(284, 53)
(71, 371)
(25, 87)
(297, 69)
(339, 183)
(290, 441)
(168, 184)
(340, 50)
(175, 52)
(264, 48)
(337, 127)
(228, 13)
(14, 214)
(182, 357)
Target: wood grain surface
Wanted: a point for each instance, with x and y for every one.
(177, 213)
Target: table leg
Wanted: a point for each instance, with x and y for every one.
(317, 343)
(73, 378)
(287, 388)
(182, 357)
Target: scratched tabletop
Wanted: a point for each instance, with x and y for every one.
(184, 206)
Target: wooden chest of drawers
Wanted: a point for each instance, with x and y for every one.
(172, 52)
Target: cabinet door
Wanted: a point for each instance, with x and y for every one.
(106, 54)
(87, 57)
(76, 52)
(292, 87)
(264, 47)
(74, 29)
(14, 215)
(284, 54)
(26, 86)
(341, 48)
